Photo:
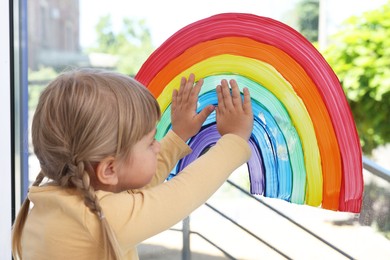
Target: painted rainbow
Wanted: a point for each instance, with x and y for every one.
(304, 143)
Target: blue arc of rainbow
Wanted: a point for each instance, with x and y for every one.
(305, 145)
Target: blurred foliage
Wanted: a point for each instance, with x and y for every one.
(44, 73)
(308, 15)
(37, 81)
(132, 45)
(360, 56)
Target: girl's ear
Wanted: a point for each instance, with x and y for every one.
(105, 171)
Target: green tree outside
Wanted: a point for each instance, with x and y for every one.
(38, 80)
(132, 45)
(308, 13)
(360, 56)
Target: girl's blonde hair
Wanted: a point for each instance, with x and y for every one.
(82, 117)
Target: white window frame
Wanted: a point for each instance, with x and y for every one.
(5, 132)
(13, 117)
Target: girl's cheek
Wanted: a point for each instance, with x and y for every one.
(156, 147)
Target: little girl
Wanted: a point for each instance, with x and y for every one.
(93, 133)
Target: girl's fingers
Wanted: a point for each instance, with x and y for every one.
(186, 97)
(185, 93)
(221, 102)
(247, 106)
(227, 98)
(193, 98)
(202, 116)
(196, 89)
(179, 95)
(186, 88)
(174, 98)
(183, 83)
(236, 97)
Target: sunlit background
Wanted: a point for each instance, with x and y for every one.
(353, 35)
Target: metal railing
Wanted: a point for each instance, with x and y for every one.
(368, 165)
(376, 169)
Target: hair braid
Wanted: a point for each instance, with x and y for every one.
(39, 179)
(81, 180)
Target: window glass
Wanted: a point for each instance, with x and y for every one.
(120, 35)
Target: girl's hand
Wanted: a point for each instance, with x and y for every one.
(186, 122)
(234, 115)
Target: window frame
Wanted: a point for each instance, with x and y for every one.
(13, 117)
(5, 130)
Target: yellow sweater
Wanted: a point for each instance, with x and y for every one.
(60, 226)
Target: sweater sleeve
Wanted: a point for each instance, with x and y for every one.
(137, 216)
(173, 148)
